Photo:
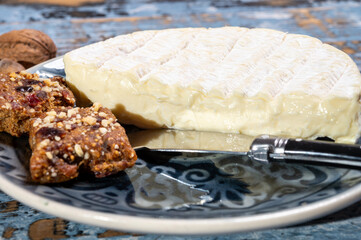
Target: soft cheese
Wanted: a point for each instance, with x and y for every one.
(229, 79)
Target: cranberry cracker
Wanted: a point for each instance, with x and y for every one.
(24, 96)
(65, 139)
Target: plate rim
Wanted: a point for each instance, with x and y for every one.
(183, 226)
(179, 226)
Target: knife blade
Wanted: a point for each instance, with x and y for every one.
(263, 148)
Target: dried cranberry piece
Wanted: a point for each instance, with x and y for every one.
(68, 170)
(95, 127)
(33, 100)
(67, 97)
(31, 81)
(106, 147)
(48, 132)
(99, 118)
(66, 94)
(42, 95)
(24, 88)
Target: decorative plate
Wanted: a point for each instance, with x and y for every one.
(182, 194)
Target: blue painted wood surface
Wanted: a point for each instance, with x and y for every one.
(335, 22)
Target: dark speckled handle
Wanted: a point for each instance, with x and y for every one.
(271, 149)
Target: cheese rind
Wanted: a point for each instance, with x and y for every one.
(230, 79)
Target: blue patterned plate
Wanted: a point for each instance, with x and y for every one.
(182, 194)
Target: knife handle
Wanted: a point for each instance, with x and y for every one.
(275, 149)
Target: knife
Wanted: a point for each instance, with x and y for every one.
(264, 148)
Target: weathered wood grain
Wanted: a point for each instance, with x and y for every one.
(337, 23)
(53, 2)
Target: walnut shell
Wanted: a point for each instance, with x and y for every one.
(27, 46)
(8, 66)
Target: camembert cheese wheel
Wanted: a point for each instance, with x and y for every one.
(229, 79)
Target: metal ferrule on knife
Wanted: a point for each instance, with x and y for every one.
(264, 148)
(270, 149)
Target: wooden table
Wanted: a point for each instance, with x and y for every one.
(336, 23)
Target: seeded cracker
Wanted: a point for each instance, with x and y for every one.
(24, 96)
(65, 139)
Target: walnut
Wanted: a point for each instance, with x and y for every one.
(8, 66)
(27, 46)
